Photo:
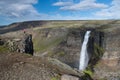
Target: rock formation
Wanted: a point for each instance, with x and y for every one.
(22, 45)
(26, 44)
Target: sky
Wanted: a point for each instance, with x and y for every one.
(27, 10)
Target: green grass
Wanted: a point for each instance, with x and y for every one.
(52, 53)
(98, 51)
(41, 45)
(3, 49)
(89, 72)
(61, 53)
(102, 79)
(55, 78)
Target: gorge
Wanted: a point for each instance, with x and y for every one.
(57, 46)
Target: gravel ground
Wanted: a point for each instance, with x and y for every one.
(16, 66)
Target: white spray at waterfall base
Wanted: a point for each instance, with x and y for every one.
(84, 58)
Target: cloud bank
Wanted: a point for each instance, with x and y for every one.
(112, 12)
(17, 8)
(100, 10)
(82, 5)
(22, 10)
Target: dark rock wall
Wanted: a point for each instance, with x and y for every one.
(26, 44)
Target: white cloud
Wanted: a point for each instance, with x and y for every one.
(62, 3)
(17, 8)
(82, 5)
(112, 12)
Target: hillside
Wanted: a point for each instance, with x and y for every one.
(21, 25)
(46, 24)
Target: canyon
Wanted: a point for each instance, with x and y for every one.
(56, 46)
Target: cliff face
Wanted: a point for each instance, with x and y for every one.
(65, 43)
(112, 47)
(109, 65)
(103, 48)
(69, 49)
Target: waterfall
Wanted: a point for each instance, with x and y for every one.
(84, 58)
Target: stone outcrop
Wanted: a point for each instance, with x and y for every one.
(23, 45)
(26, 44)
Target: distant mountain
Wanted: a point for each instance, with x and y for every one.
(20, 26)
(3, 26)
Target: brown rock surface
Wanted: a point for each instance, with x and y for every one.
(69, 77)
(16, 66)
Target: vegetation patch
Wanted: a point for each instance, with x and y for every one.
(57, 77)
(50, 53)
(3, 48)
(89, 72)
(61, 53)
(98, 51)
(102, 79)
(44, 44)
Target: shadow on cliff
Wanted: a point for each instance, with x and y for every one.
(95, 48)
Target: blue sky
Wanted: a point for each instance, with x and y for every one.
(26, 10)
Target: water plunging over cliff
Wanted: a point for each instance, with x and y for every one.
(84, 58)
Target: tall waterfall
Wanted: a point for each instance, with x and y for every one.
(84, 58)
